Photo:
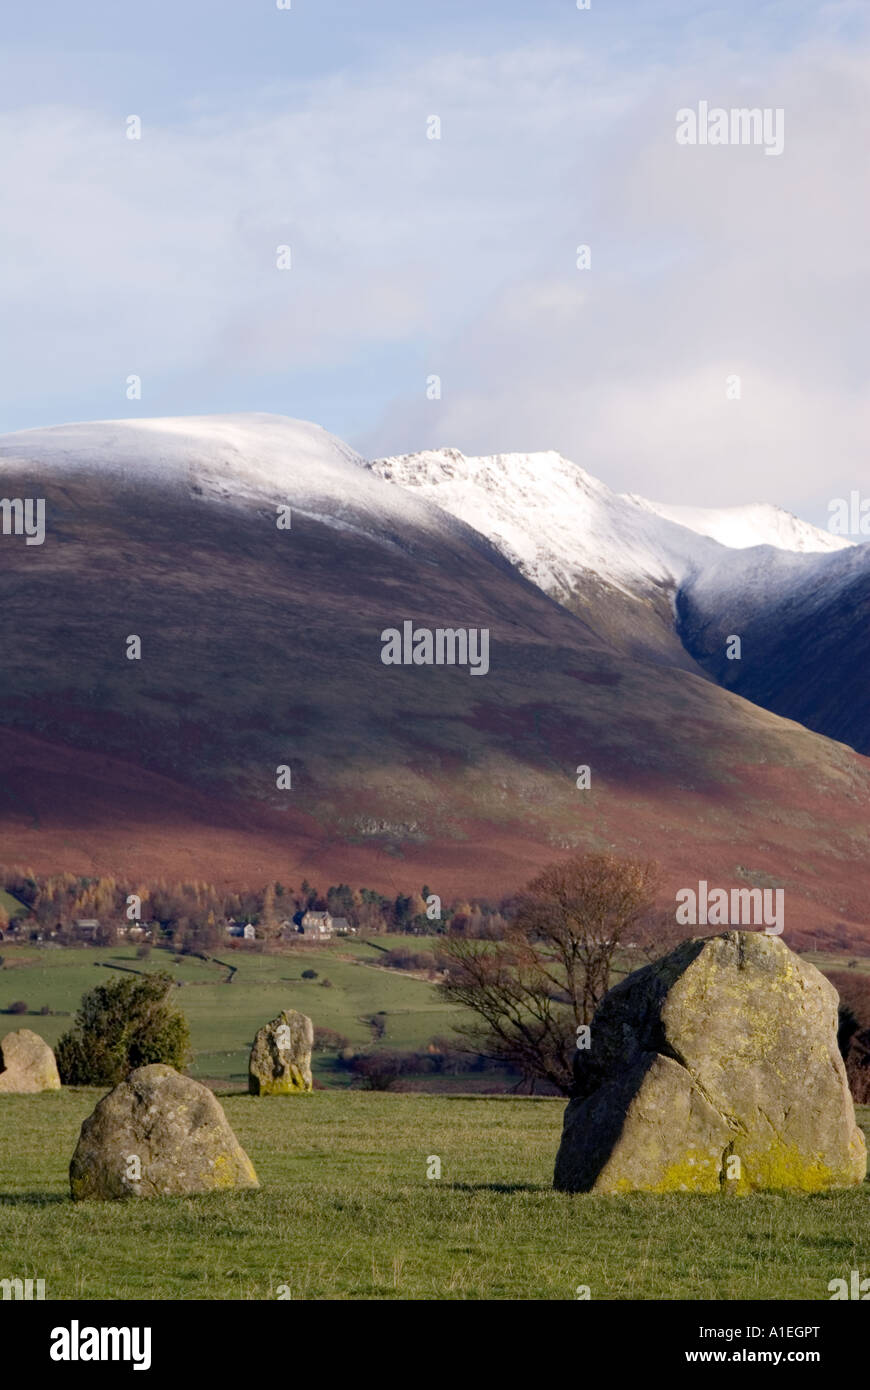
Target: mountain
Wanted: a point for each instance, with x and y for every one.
(804, 625)
(671, 584)
(557, 522)
(741, 528)
(262, 648)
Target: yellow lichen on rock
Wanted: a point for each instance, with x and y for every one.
(280, 1062)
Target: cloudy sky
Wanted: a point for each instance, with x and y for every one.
(413, 257)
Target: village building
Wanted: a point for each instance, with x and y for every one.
(244, 930)
(316, 925)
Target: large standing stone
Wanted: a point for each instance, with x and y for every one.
(27, 1064)
(158, 1134)
(725, 1049)
(280, 1062)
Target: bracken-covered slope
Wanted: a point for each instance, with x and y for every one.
(262, 647)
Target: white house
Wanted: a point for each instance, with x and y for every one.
(246, 932)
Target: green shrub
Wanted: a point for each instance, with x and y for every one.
(121, 1025)
(19, 1007)
(309, 974)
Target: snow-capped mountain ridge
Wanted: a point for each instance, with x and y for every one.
(245, 460)
(657, 584)
(545, 513)
(754, 523)
(559, 524)
(243, 456)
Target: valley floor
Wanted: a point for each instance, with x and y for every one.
(346, 1211)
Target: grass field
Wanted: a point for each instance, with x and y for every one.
(224, 1017)
(345, 1210)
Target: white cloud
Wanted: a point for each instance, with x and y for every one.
(158, 257)
(705, 262)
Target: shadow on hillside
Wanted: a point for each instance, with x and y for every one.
(496, 1186)
(33, 1199)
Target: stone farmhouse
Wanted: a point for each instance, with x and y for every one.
(321, 926)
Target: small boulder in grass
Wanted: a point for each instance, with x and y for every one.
(158, 1134)
(27, 1064)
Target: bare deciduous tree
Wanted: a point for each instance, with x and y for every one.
(531, 990)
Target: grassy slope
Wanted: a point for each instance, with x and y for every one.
(224, 1017)
(346, 1211)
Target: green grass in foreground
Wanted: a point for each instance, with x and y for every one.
(346, 1211)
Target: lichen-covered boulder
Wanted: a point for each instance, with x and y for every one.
(158, 1134)
(27, 1064)
(715, 1068)
(280, 1062)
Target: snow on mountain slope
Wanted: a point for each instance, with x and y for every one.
(560, 525)
(563, 529)
(240, 459)
(257, 451)
(758, 523)
(670, 584)
(548, 516)
(554, 520)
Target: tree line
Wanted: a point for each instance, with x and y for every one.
(194, 915)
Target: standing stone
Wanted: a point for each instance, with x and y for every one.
(158, 1134)
(27, 1064)
(280, 1062)
(724, 1050)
